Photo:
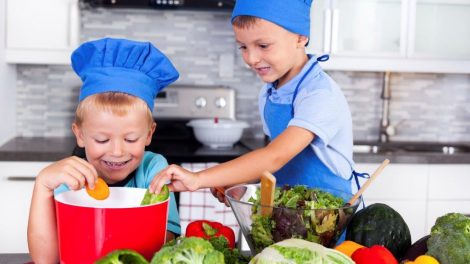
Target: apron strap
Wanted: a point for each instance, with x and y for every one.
(322, 59)
(356, 176)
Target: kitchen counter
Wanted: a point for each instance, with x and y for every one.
(16, 258)
(177, 151)
(52, 149)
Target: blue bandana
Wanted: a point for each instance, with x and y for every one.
(120, 65)
(293, 15)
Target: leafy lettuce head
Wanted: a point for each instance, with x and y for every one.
(299, 251)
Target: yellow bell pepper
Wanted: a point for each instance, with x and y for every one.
(423, 259)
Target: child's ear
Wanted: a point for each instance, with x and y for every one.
(151, 131)
(302, 41)
(78, 135)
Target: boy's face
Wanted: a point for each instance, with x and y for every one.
(114, 144)
(271, 51)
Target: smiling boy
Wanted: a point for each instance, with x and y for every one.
(303, 111)
(113, 125)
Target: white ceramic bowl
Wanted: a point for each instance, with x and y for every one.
(222, 133)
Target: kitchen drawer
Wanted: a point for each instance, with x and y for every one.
(449, 182)
(16, 187)
(397, 182)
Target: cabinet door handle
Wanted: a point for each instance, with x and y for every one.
(327, 31)
(335, 31)
(21, 178)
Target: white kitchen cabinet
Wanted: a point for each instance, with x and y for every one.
(368, 28)
(44, 32)
(441, 29)
(404, 187)
(320, 27)
(392, 35)
(448, 191)
(361, 28)
(16, 187)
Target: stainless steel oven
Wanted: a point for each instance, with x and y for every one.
(187, 102)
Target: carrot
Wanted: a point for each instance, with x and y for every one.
(101, 190)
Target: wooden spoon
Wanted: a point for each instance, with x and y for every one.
(268, 186)
(368, 182)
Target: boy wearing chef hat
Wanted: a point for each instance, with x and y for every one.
(113, 124)
(303, 111)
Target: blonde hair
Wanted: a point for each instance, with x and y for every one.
(244, 21)
(114, 102)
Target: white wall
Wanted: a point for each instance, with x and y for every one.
(7, 87)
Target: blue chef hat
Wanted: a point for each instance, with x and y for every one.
(293, 15)
(120, 65)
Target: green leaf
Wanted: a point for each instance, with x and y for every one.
(151, 198)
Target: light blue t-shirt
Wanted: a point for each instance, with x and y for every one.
(320, 107)
(151, 164)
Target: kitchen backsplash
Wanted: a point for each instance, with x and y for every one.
(424, 107)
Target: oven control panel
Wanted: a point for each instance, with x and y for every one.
(190, 102)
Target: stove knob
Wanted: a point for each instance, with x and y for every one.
(220, 102)
(200, 102)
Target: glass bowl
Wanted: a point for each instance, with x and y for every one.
(323, 226)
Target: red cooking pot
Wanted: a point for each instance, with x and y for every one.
(88, 229)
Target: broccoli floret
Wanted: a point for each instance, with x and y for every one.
(164, 255)
(190, 250)
(214, 257)
(450, 239)
(231, 256)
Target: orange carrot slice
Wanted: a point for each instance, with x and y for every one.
(101, 190)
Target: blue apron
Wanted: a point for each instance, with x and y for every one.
(305, 168)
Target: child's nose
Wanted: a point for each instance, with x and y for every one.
(251, 58)
(117, 148)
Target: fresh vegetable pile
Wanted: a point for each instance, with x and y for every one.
(198, 247)
(299, 212)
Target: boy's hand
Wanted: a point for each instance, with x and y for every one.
(217, 192)
(179, 178)
(72, 171)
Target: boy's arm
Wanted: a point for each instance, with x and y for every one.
(250, 166)
(42, 233)
(243, 169)
(42, 230)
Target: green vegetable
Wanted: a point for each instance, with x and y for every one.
(231, 256)
(379, 224)
(450, 239)
(299, 251)
(295, 216)
(151, 198)
(261, 231)
(188, 250)
(122, 256)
